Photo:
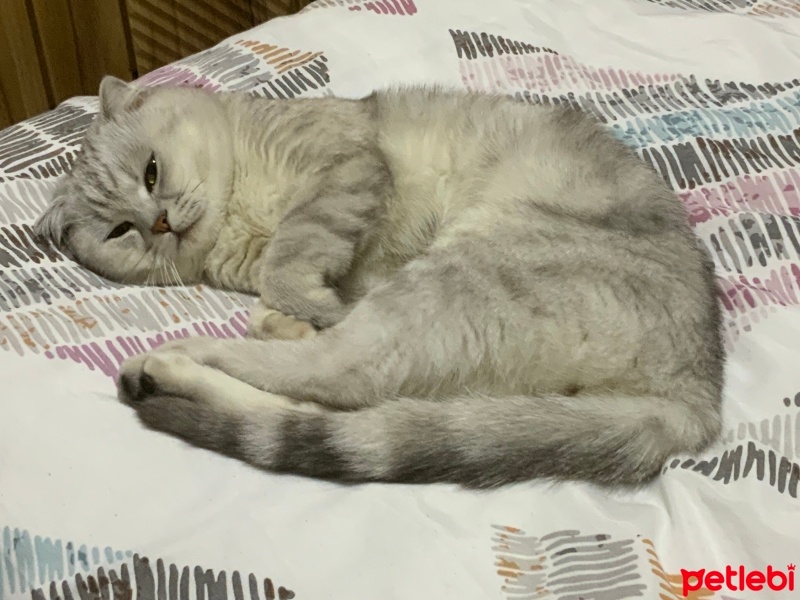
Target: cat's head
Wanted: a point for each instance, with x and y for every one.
(145, 195)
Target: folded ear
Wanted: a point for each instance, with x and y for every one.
(116, 96)
(53, 223)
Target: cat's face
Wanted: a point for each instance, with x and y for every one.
(143, 202)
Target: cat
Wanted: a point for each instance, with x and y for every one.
(453, 287)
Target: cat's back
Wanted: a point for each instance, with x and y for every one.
(440, 147)
(473, 145)
(434, 130)
(452, 151)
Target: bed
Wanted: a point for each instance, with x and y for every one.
(94, 506)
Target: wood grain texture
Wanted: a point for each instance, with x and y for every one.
(100, 38)
(264, 10)
(166, 30)
(59, 52)
(5, 113)
(21, 82)
(51, 50)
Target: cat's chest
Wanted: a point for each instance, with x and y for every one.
(253, 212)
(233, 262)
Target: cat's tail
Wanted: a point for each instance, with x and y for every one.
(486, 442)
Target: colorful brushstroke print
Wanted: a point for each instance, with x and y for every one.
(48, 569)
(260, 68)
(768, 8)
(555, 566)
(730, 150)
(378, 7)
(573, 565)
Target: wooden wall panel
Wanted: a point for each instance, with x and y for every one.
(58, 49)
(166, 30)
(5, 113)
(101, 40)
(21, 82)
(51, 50)
(264, 10)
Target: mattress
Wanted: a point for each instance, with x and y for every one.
(92, 505)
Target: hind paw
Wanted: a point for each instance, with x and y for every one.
(269, 324)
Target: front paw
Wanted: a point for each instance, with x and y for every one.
(269, 324)
(308, 299)
(201, 349)
(150, 374)
(133, 384)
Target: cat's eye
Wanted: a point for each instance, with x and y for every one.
(151, 174)
(120, 230)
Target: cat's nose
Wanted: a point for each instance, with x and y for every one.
(161, 224)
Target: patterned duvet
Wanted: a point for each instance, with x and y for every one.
(94, 506)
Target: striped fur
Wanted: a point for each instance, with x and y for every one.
(485, 292)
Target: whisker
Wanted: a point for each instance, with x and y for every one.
(131, 271)
(179, 280)
(169, 273)
(183, 194)
(201, 182)
(180, 194)
(153, 268)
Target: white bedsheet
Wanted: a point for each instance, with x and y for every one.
(709, 95)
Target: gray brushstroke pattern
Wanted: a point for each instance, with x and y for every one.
(44, 146)
(728, 6)
(568, 565)
(140, 579)
(747, 461)
(95, 316)
(48, 569)
(750, 239)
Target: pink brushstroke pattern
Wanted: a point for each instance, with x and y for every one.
(387, 7)
(178, 76)
(750, 300)
(747, 301)
(108, 356)
(777, 192)
(547, 72)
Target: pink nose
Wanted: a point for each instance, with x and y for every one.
(161, 225)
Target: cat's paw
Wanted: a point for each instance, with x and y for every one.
(269, 324)
(307, 301)
(170, 373)
(156, 373)
(202, 349)
(173, 394)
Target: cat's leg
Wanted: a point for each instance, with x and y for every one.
(429, 330)
(452, 330)
(314, 245)
(175, 374)
(321, 369)
(204, 406)
(269, 324)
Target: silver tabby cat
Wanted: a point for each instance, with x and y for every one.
(452, 287)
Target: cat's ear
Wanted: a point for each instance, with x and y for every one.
(116, 96)
(53, 224)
